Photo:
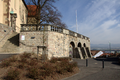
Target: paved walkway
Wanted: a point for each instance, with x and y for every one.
(94, 71)
(4, 56)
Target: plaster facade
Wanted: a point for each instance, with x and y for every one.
(15, 6)
(1, 13)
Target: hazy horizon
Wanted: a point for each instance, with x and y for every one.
(105, 46)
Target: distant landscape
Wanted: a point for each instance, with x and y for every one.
(105, 46)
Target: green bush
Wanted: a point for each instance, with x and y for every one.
(13, 74)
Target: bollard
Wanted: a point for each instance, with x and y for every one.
(86, 62)
(103, 64)
(37, 51)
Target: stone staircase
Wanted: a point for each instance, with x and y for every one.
(12, 44)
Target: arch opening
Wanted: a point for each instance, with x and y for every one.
(84, 45)
(79, 45)
(71, 49)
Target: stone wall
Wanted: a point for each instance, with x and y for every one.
(5, 32)
(57, 41)
(57, 44)
(32, 40)
(31, 20)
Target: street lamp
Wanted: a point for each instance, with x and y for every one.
(13, 19)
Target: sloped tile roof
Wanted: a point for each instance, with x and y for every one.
(31, 10)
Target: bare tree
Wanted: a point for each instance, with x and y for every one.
(45, 12)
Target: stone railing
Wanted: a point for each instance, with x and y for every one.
(47, 27)
(56, 29)
(32, 27)
(71, 33)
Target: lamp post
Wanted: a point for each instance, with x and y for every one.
(13, 20)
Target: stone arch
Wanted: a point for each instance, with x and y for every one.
(73, 44)
(82, 50)
(87, 50)
(79, 45)
(84, 45)
(71, 49)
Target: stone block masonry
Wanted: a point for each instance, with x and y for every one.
(30, 40)
(9, 40)
(5, 32)
(59, 42)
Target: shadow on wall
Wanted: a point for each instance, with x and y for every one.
(83, 52)
(88, 52)
(76, 53)
(15, 40)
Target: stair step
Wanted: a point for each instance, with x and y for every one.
(11, 44)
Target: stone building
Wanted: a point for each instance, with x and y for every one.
(13, 13)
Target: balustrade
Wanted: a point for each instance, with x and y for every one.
(32, 27)
(83, 37)
(46, 27)
(79, 35)
(71, 33)
(56, 29)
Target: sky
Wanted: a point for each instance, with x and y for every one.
(97, 19)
